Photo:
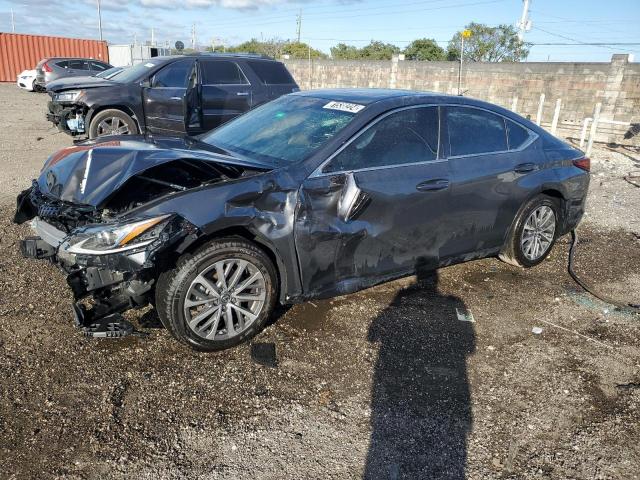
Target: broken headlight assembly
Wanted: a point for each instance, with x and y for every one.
(67, 97)
(116, 238)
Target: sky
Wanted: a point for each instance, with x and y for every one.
(325, 23)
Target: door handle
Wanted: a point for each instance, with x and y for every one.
(525, 168)
(175, 98)
(242, 94)
(433, 185)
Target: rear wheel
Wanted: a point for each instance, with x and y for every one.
(534, 233)
(112, 122)
(220, 297)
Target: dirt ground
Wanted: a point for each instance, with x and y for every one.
(386, 383)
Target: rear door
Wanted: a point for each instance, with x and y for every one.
(165, 99)
(484, 193)
(78, 68)
(225, 91)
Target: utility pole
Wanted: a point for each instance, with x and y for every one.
(193, 36)
(524, 25)
(299, 24)
(100, 20)
(13, 23)
(464, 34)
(153, 39)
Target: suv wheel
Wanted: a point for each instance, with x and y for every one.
(534, 232)
(112, 122)
(219, 297)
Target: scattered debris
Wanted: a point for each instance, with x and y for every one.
(465, 315)
(264, 354)
(536, 330)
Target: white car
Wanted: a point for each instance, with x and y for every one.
(27, 80)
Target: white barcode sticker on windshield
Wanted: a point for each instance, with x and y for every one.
(344, 106)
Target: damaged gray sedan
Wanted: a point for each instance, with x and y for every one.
(313, 195)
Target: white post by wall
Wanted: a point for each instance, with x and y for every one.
(514, 104)
(594, 127)
(540, 106)
(556, 116)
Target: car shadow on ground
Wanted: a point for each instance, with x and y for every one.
(420, 404)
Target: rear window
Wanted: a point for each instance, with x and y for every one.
(271, 73)
(518, 135)
(473, 131)
(79, 64)
(221, 72)
(62, 64)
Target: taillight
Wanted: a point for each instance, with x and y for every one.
(584, 163)
(46, 68)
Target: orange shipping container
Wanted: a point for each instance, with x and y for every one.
(20, 52)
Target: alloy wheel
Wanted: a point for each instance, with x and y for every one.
(538, 232)
(113, 126)
(225, 299)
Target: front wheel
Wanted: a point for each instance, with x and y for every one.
(534, 233)
(112, 122)
(220, 297)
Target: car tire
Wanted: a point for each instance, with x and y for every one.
(112, 122)
(196, 279)
(533, 233)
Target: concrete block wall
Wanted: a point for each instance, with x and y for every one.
(580, 86)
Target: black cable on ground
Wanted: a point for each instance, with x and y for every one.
(629, 307)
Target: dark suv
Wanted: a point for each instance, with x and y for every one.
(50, 69)
(187, 94)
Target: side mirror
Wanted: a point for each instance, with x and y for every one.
(352, 200)
(146, 83)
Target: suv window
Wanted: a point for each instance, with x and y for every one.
(174, 75)
(221, 72)
(407, 136)
(99, 66)
(271, 73)
(474, 131)
(518, 135)
(62, 64)
(79, 64)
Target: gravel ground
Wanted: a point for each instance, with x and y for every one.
(386, 383)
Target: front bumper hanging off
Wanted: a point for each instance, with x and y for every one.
(112, 291)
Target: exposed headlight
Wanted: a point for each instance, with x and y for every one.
(69, 96)
(105, 239)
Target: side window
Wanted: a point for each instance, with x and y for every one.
(474, 131)
(407, 136)
(79, 64)
(271, 73)
(517, 134)
(63, 64)
(174, 75)
(98, 66)
(220, 72)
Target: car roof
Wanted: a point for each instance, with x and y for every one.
(237, 56)
(365, 96)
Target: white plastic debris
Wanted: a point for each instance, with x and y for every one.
(536, 330)
(465, 315)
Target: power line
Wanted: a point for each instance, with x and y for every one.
(340, 14)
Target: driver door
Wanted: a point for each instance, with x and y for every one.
(378, 209)
(170, 100)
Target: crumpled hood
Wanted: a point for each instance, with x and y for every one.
(68, 83)
(88, 174)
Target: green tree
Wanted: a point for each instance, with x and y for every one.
(343, 51)
(379, 51)
(272, 48)
(301, 50)
(424, 49)
(489, 44)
